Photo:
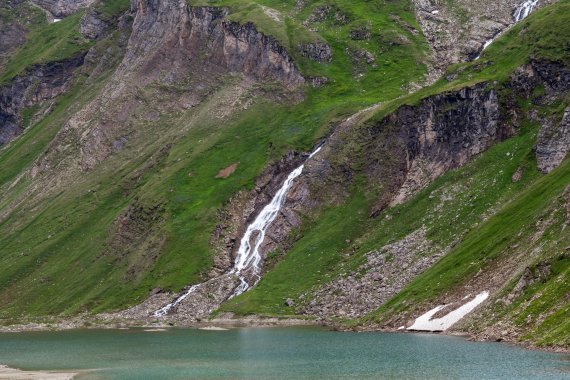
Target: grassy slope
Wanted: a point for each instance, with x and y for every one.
(481, 188)
(53, 254)
(46, 43)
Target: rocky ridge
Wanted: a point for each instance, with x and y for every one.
(40, 83)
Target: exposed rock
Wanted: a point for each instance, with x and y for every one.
(324, 12)
(457, 31)
(432, 148)
(554, 75)
(318, 81)
(62, 8)
(553, 140)
(226, 172)
(318, 51)
(170, 40)
(384, 273)
(361, 55)
(37, 84)
(553, 144)
(12, 35)
(92, 25)
(517, 175)
(360, 33)
(244, 207)
(186, 32)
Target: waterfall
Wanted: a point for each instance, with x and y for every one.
(519, 14)
(524, 9)
(248, 257)
(164, 310)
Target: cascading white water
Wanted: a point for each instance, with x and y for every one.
(248, 257)
(519, 14)
(524, 9)
(164, 310)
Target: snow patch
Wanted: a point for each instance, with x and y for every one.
(426, 323)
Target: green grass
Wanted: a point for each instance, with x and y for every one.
(110, 9)
(191, 202)
(481, 246)
(47, 43)
(482, 219)
(55, 252)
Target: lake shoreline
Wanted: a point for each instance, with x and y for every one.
(9, 373)
(80, 323)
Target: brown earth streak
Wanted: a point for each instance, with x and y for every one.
(226, 172)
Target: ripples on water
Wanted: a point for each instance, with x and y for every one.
(274, 353)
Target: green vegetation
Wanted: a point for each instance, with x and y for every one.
(47, 43)
(50, 243)
(65, 251)
(482, 217)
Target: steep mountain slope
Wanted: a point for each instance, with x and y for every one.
(140, 140)
(481, 228)
(116, 178)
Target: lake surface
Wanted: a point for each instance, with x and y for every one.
(274, 353)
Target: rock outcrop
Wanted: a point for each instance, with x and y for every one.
(93, 26)
(384, 273)
(553, 144)
(171, 28)
(400, 155)
(37, 84)
(12, 35)
(192, 48)
(553, 140)
(62, 8)
(318, 51)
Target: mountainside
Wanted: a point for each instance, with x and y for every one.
(138, 141)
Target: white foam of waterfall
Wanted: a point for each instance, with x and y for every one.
(524, 9)
(519, 14)
(248, 257)
(164, 310)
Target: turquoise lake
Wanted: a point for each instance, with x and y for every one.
(274, 353)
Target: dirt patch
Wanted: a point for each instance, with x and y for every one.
(226, 172)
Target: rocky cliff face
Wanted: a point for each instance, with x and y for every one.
(409, 148)
(553, 141)
(38, 84)
(13, 35)
(173, 44)
(186, 33)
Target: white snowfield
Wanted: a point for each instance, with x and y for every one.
(426, 323)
